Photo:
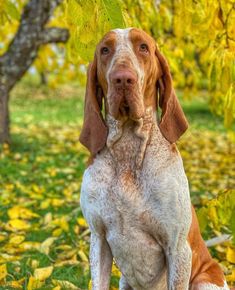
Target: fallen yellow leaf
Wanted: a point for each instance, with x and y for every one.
(47, 218)
(2, 237)
(45, 246)
(62, 223)
(67, 254)
(57, 202)
(83, 256)
(16, 239)
(56, 288)
(65, 284)
(29, 246)
(90, 285)
(3, 271)
(17, 284)
(231, 277)
(230, 255)
(81, 221)
(57, 232)
(18, 211)
(33, 283)
(42, 274)
(72, 261)
(34, 263)
(115, 271)
(17, 224)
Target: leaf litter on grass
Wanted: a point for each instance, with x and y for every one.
(44, 240)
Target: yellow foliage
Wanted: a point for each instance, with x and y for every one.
(18, 211)
(45, 246)
(3, 271)
(230, 255)
(33, 283)
(65, 284)
(198, 38)
(231, 277)
(17, 225)
(82, 222)
(16, 239)
(42, 274)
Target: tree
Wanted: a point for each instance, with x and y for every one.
(197, 37)
(23, 50)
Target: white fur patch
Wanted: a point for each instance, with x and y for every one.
(213, 287)
(124, 51)
(132, 205)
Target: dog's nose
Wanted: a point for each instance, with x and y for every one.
(123, 79)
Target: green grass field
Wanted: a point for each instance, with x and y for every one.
(44, 240)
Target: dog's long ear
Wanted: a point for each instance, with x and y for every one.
(94, 131)
(173, 121)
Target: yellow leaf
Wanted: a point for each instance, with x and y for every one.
(37, 189)
(34, 283)
(57, 232)
(17, 224)
(45, 204)
(7, 258)
(29, 246)
(62, 223)
(90, 285)
(16, 284)
(65, 284)
(81, 221)
(72, 261)
(230, 255)
(67, 254)
(2, 237)
(231, 277)
(64, 247)
(83, 256)
(21, 212)
(3, 271)
(57, 202)
(45, 246)
(56, 288)
(42, 274)
(34, 263)
(47, 218)
(16, 239)
(115, 271)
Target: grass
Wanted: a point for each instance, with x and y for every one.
(41, 224)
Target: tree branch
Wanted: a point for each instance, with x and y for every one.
(218, 240)
(31, 34)
(54, 35)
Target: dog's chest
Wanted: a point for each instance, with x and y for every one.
(135, 211)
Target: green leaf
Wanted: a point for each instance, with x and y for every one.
(113, 13)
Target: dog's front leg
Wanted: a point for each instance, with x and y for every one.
(101, 262)
(179, 267)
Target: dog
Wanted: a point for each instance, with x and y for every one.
(135, 194)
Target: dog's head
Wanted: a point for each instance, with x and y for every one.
(131, 74)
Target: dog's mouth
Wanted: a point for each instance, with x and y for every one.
(126, 104)
(124, 109)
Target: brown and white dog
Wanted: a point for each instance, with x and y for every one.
(135, 194)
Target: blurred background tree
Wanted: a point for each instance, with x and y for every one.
(198, 38)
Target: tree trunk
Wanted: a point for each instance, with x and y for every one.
(23, 49)
(4, 117)
(43, 78)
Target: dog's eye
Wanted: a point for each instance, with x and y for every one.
(144, 47)
(105, 50)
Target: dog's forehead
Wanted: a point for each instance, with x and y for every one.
(125, 36)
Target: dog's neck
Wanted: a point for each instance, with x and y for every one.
(128, 139)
